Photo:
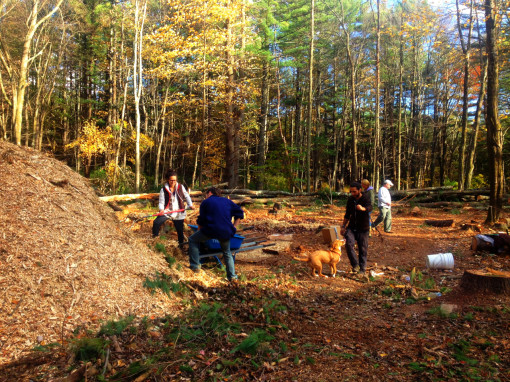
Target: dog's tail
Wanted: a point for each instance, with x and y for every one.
(304, 259)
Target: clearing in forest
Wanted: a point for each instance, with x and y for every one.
(88, 295)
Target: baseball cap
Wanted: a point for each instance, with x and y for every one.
(387, 181)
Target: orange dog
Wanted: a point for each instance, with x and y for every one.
(317, 258)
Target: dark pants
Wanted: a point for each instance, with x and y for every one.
(178, 224)
(361, 238)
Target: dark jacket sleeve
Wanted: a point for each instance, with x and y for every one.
(348, 209)
(365, 202)
(371, 194)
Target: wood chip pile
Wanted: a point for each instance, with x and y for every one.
(65, 261)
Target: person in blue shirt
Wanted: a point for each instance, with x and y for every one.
(215, 222)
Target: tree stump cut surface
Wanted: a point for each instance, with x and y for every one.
(489, 280)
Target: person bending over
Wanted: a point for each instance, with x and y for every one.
(215, 222)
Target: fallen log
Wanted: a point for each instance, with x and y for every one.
(440, 223)
(440, 205)
(114, 206)
(486, 281)
(265, 193)
(119, 198)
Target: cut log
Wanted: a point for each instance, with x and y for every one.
(471, 227)
(440, 223)
(478, 244)
(486, 281)
(499, 246)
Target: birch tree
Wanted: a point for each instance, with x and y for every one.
(140, 12)
(38, 13)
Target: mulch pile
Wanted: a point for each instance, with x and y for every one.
(65, 260)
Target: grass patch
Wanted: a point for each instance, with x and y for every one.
(116, 327)
(47, 347)
(416, 279)
(86, 349)
(256, 342)
(437, 311)
(165, 284)
(460, 352)
(209, 322)
(160, 247)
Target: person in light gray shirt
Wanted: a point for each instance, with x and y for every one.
(384, 205)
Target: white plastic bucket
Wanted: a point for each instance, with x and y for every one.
(440, 261)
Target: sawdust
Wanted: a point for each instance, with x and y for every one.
(65, 261)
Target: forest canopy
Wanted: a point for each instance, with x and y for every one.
(305, 95)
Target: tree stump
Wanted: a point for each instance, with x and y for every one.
(416, 211)
(489, 280)
(500, 246)
(471, 227)
(478, 244)
(440, 223)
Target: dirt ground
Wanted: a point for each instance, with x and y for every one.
(86, 300)
(385, 327)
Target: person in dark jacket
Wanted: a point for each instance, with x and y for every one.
(356, 227)
(215, 222)
(370, 192)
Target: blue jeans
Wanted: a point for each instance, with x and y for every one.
(194, 253)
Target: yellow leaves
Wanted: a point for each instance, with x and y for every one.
(93, 140)
(145, 141)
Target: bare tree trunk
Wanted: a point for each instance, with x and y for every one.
(494, 132)
(231, 156)
(161, 138)
(336, 129)
(140, 7)
(476, 128)
(400, 95)
(262, 122)
(377, 138)
(466, 49)
(19, 76)
(352, 74)
(478, 112)
(310, 97)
